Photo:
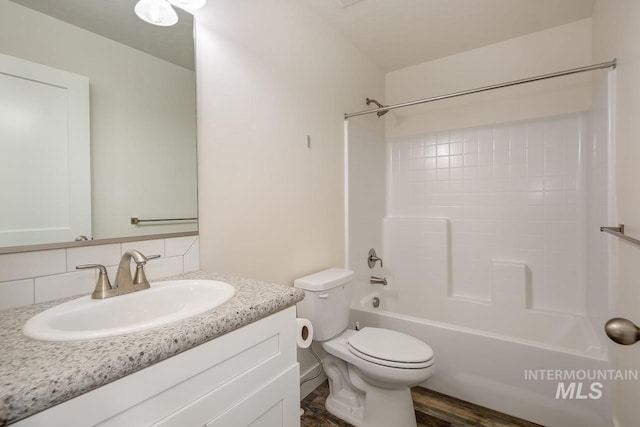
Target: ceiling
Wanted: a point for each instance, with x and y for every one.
(393, 33)
(398, 33)
(116, 20)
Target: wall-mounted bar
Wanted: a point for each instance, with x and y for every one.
(602, 65)
(136, 220)
(619, 232)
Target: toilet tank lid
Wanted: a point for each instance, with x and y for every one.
(324, 280)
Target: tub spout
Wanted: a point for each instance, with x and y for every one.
(378, 280)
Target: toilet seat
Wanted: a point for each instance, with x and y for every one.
(375, 370)
(390, 348)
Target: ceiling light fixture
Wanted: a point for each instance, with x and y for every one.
(160, 12)
(188, 4)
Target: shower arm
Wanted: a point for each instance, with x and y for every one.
(373, 101)
(370, 101)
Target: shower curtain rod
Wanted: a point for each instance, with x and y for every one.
(602, 65)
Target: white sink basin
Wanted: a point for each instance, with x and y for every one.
(165, 302)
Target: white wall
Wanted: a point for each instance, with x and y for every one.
(600, 206)
(616, 31)
(367, 195)
(142, 120)
(271, 72)
(564, 47)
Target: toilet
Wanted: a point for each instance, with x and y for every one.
(371, 370)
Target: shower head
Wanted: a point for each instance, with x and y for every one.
(379, 113)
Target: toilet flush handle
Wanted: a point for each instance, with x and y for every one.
(323, 296)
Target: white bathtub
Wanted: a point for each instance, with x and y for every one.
(489, 369)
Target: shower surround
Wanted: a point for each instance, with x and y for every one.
(493, 254)
(487, 225)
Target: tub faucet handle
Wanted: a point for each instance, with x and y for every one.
(373, 258)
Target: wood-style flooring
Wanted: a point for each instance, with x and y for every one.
(433, 409)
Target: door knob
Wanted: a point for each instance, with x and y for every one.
(622, 331)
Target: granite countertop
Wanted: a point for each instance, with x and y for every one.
(36, 375)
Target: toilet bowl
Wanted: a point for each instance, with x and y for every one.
(369, 389)
(370, 371)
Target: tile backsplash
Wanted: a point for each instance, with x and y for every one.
(33, 277)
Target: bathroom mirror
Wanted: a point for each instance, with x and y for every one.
(141, 118)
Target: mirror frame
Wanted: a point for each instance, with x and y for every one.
(97, 242)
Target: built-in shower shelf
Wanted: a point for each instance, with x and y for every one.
(619, 232)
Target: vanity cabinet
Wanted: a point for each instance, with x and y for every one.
(248, 377)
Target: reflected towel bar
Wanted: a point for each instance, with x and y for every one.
(136, 220)
(619, 232)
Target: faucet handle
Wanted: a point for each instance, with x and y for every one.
(103, 287)
(373, 258)
(140, 281)
(142, 259)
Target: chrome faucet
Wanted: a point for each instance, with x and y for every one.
(125, 283)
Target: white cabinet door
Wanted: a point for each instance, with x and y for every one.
(275, 404)
(45, 178)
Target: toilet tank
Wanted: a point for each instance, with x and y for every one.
(326, 302)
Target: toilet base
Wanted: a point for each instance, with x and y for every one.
(344, 400)
(363, 405)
